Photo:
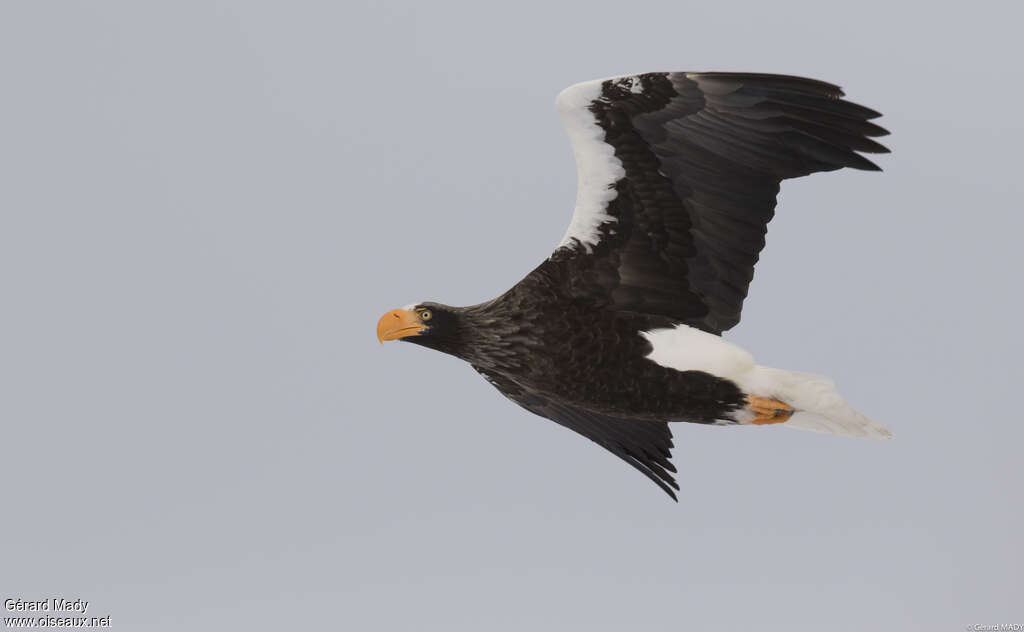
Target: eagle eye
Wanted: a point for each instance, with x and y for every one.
(425, 314)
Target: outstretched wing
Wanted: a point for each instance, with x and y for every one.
(678, 174)
(646, 445)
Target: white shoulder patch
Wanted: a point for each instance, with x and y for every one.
(686, 348)
(597, 168)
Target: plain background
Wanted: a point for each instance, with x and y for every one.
(207, 205)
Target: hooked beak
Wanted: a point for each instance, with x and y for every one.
(399, 323)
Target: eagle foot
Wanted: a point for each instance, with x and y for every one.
(768, 411)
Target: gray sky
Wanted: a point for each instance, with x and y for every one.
(207, 205)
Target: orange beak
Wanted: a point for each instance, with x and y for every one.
(399, 323)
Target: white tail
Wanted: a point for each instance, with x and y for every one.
(819, 407)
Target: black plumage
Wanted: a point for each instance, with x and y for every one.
(703, 155)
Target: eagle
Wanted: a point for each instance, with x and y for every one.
(618, 332)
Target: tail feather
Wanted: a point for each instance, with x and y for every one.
(819, 406)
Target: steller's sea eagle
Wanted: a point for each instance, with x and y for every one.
(618, 332)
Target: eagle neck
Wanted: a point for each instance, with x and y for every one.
(490, 336)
